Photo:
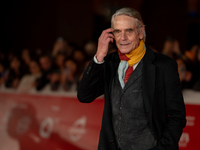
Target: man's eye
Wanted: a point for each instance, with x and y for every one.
(117, 32)
(129, 31)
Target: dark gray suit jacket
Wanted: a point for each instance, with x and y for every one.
(162, 96)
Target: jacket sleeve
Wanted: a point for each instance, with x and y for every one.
(91, 85)
(175, 109)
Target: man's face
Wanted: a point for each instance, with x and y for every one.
(125, 33)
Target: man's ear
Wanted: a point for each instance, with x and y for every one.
(141, 36)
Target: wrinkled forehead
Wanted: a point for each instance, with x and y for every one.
(124, 22)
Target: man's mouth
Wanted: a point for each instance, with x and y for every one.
(124, 44)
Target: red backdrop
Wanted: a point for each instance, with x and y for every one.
(42, 122)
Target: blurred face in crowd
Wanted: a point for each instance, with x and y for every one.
(55, 77)
(15, 63)
(26, 56)
(60, 46)
(34, 67)
(79, 56)
(45, 63)
(60, 60)
(90, 48)
(125, 32)
(181, 69)
(71, 65)
(168, 45)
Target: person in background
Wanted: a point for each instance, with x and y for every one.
(79, 57)
(27, 82)
(15, 73)
(190, 60)
(190, 54)
(54, 78)
(196, 85)
(144, 107)
(61, 45)
(2, 74)
(59, 61)
(90, 49)
(171, 48)
(69, 77)
(26, 59)
(59, 68)
(46, 66)
(184, 74)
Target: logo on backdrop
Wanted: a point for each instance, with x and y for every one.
(78, 129)
(190, 120)
(184, 140)
(185, 137)
(46, 127)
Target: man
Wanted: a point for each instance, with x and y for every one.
(144, 108)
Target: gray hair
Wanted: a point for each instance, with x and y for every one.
(132, 13)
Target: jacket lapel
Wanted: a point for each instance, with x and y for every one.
(148, 82)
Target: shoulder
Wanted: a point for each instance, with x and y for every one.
(162, 57)
(162, 60)
(166, 66)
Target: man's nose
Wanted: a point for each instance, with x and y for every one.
(123, 36)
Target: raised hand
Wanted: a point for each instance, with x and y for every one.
(103, 43)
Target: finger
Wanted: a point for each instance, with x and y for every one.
(111, 40)
(105, 39)
(111, 35)
(105, 32)
(108, 35)
(108, 40)
(108, 30)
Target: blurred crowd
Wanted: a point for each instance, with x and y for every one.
(188, 62)
(61, 68)
(55, 70)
